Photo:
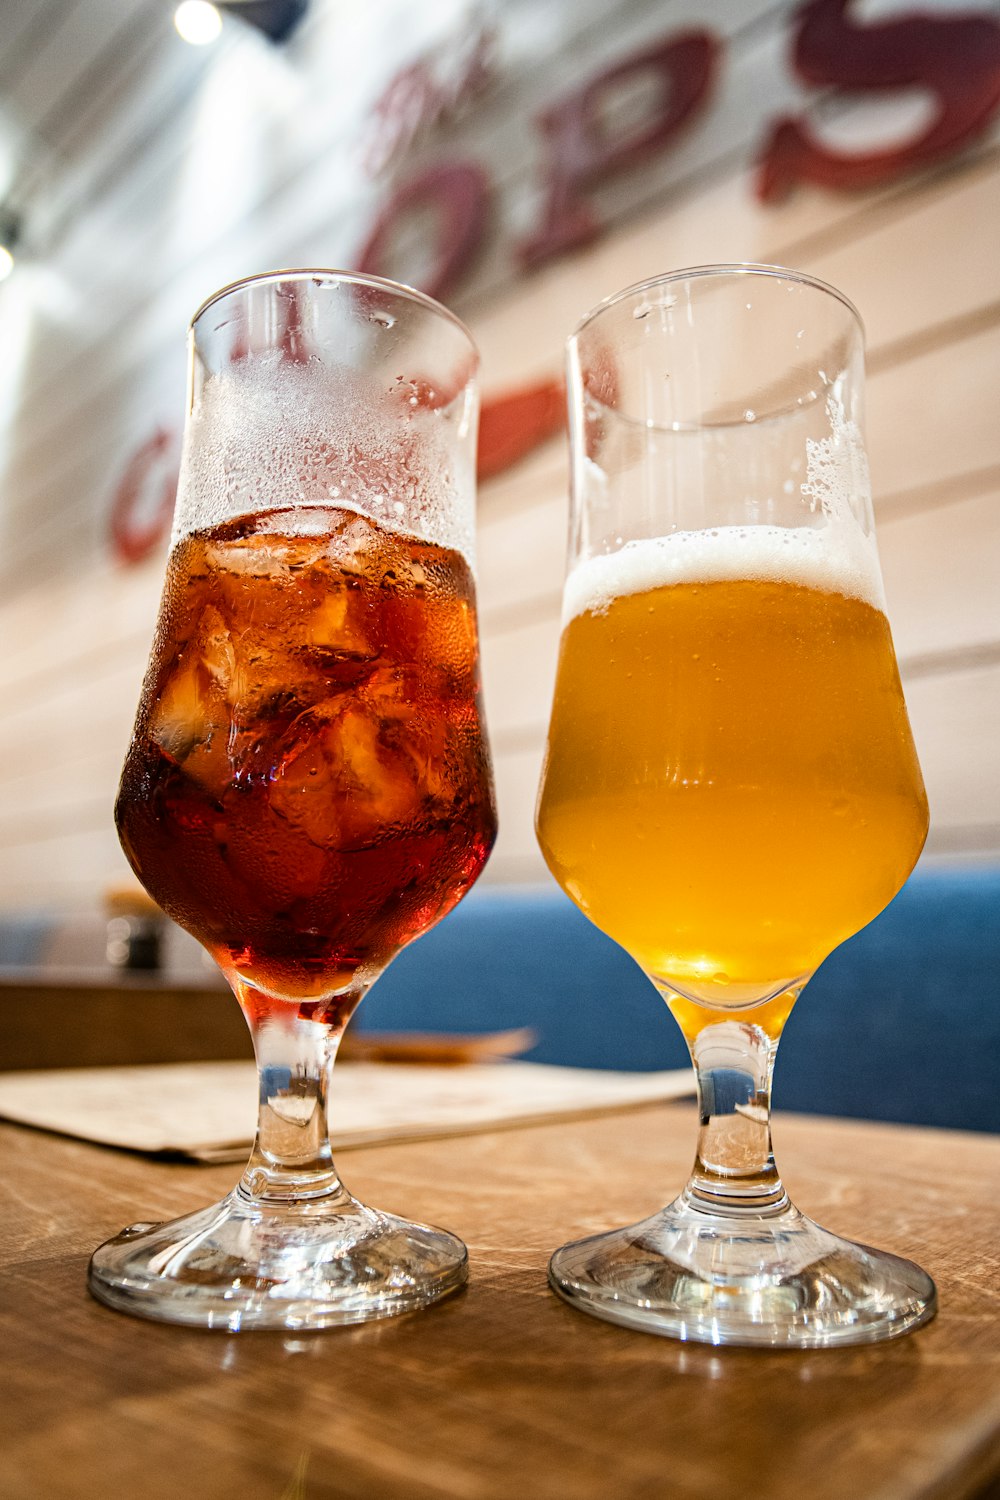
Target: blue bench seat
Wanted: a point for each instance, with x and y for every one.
(901, 1023)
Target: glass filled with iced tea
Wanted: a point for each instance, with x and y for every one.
(308, 786)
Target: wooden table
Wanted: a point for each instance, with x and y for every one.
(504, 1391)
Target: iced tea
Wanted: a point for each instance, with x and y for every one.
(308, 786)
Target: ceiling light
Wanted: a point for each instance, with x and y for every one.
(198, 22)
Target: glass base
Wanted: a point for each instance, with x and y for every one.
(242, 1265)
(780, 1281)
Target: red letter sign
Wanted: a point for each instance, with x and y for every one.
(582, 150)
(144, 500)
(957, 58)
(513, 425)
(459, 191)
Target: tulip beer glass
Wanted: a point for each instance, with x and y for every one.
(730, 786)
(308, 786)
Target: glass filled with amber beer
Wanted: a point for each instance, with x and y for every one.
(308, 786)
(730, 787)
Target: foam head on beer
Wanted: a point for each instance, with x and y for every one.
(835, 560)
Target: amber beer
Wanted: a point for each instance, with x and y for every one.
(308, 784)
(731, 787)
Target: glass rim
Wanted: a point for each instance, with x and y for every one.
(335, 274)
(723, 268)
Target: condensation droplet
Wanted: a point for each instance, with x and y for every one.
(649, 304)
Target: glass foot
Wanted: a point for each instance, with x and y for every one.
(780, 1281)
(239, 1265)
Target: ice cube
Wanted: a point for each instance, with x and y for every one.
(254, 556)
(179, 716)
(344, 784)
(407, 705)
(269, 856)
(190, 723)
(340, 624)
(191, 717)
(215, 647)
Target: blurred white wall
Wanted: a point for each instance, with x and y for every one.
(182, 170)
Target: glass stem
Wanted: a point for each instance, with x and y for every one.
(734, 1173)
(295, 1047)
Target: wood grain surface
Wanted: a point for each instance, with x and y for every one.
(503, 1391)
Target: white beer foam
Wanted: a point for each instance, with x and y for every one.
(833, 559)
(272, 434)
(837, 468)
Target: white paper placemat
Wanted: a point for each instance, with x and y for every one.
(207, 1111)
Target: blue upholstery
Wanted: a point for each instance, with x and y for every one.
(23, 938)
(901, 1023)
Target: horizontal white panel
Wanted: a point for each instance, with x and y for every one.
(942, 570)
(77, 784)
(956, 725)
(75, 625)
(522, 555)
(24, 825)
(516, 850)
(96, 708)
(935, 416)
(519, 670)
(722, 220)
(541, 472)
(69, 871)
(924, 262)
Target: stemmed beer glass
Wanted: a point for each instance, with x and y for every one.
(308, 786)
(730, 786)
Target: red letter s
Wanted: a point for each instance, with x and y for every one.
(957, 58)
